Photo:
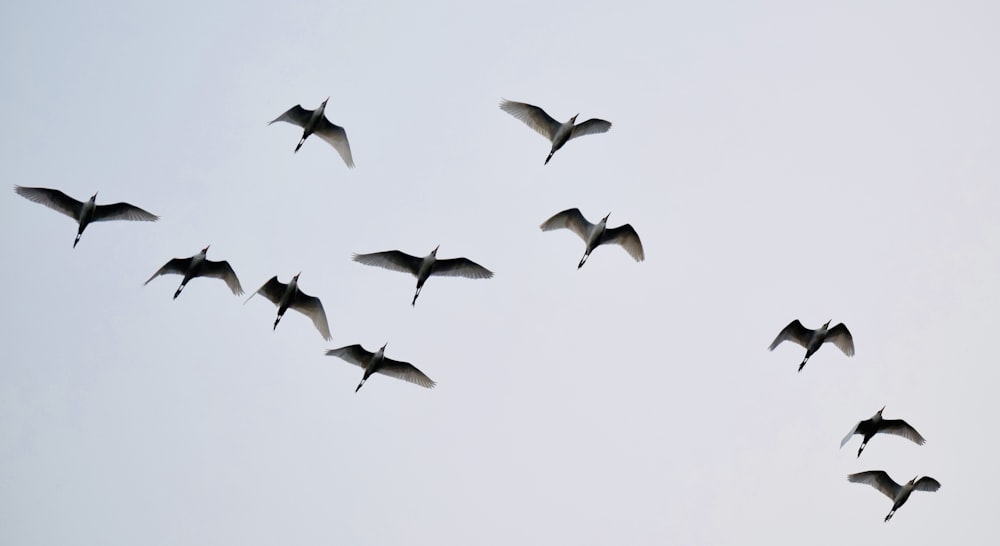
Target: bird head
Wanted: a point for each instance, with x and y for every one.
(573, 119)
(881, 410)
(296, 277)
(435, 251)
(325, 101)
(914, 480)
(205, 250)
(93, 197)
(605, 219)
(827, 325)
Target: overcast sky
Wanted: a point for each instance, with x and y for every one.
(779, 160)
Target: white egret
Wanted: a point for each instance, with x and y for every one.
(199, 266)
(812, 340)
(557, 133)
(423, 268)
(84, 213)
(313, 121)
(876, 424)
(898, 493)
(378, 363)
(596, 235)
(289, 296)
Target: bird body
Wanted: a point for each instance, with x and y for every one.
(199, 266)
(84, 213)
(314, 121)
(812, 340)
(423, 268)
(598, 234)
(289, 296)
(898, 493)
(557, 133)
(378, 363)
(876, 424)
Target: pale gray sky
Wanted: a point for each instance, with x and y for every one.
(779, 161)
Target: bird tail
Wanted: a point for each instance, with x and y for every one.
(300, 144)
(359, 385)
(276, 322)
(804, 360)
(77, 240)
(548, 158)
(178, 292)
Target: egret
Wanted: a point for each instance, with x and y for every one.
(199, 266)
(378, 363)
(287, 296)
(313, 121)
(596, 235)
(898, 493)
(84, 213)
(423, 268)
(813, 339)
(557, 133)
(875, 425)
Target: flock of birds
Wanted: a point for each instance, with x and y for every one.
(287, 296)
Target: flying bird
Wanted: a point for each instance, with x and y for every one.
(288, 296)
(313, 121)
(875, 425)
(84, 213)
(813, 339)
(199, 266)
(596, 235)
(898, 493)
(378, 363)
(557, 133)
(423, 268)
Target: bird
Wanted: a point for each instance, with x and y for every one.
(596, 235)
(199, 266)
(313, 121)
(876, 424)
(378, 363)
(287, 296)
(557, 133)
(898, 493)
(813, 339)
(84, 213)
(423, 268)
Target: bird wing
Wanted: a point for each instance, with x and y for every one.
(841, 337)
(122, 211)
(877, 479)
(355, 354)
(391, 259)
(794, 332)
(625, 237)
(590, 127)
(296, 115)
(272, 290)
(177, 266)
(927, 483)
(222, 270)
(571, 219)
(335, 136)
(900, 427)
(54, 199)
(853, 431)
(406, 372)
(461, 267)
(311, 307)
(533, 117)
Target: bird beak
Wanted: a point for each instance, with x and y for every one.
(881, 410)
(606, 217)
(436, 250)
(206, 248)
(297, 275)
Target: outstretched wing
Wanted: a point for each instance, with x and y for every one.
(354, 354)
(222, 270)
(850, 434)
(571, 219)
(391, 259)
(177, 266)
(877, 479)
(841, 337)
(296, 115)
(625, 237)
(900, 427)
(311, 307)
(335, 136)
(54, 199)
(272, 290)
(533, 117)
(794, 332)
(406, 372)
(122, 211)
(461, 267)
(927, 483)
(590, 127)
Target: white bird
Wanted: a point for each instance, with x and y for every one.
(84, 213)
(423, 268)
(875, 425)
(313, 121)
(287, 296)
(898, 493)
(378, 363)
(813, 339)
(557, 133)
(199, 266)
(596, 235)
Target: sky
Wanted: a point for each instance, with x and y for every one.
(780, 160)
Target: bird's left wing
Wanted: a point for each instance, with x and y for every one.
(590, 127)
(900, 427)
(222, 270)
(461, 267)
(122, 211)
(406, 372)
(311, 307)
(841, 337)
(335, 136)
(626, 237)
(927, 483)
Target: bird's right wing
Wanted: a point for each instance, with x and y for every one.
(272, 290)
(626, 237)
(900, 427)
(794, 332)
(533, 117)
(122, 211)
(222, 270)
(927, 483)
(571, 219)
(841, 337)
(296, 115)
(177, 266)
(391, 259)
(311, 307)
(406, 372)
(877, 479)
(461, 267)
(850, 434)
(54, 199)
(335, 136)
(590, 127)
(354, 354)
